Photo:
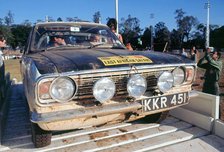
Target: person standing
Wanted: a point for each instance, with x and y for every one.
(128, 46)
(2, 45)
(193, 54)
(2, 41)
(184, 53)
(112, 24)
(213, 65)
(2, 67)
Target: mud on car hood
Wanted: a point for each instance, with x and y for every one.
(88, 59)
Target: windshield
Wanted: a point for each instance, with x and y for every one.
(48, 36)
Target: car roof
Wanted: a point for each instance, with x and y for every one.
(69, 24)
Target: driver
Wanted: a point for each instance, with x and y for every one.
(56, 41)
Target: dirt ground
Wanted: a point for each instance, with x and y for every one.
(199, 83)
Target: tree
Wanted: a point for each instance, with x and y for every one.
(130, 28)
(39, 21)
(146, 38)
(20, 34)
(185, 24)
(97, 17)
(27, 23)
(59, 19)
(9, 19)
(1, 21)
(216, 38)
(51, 19)
(175, 39)
(162, 36)
(73, 19)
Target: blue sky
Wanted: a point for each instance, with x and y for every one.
(163, 10)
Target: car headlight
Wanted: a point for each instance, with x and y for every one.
(179, 76)
(165, 81)
(62, 89)
(104, 89)
(136, 86)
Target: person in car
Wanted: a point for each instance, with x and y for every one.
(56, 41)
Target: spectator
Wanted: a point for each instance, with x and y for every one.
(213, 65)
(184, 53)
(129, 47)
(2, 45)
(193, 54)
(112, 24)
(56, 41)
(2, 41)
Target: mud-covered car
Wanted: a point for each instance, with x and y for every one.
(92, 79)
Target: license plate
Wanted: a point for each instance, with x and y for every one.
(162, 102)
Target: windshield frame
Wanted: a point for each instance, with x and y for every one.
(73, 31)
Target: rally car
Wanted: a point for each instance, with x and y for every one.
(92, 79)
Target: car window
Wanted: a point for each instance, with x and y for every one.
(45, 36)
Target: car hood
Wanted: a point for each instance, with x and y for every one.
(89, 59)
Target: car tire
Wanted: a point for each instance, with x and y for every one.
(40, 137)
(157, 117)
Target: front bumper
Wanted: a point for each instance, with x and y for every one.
(96, 111)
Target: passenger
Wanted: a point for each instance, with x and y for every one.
(95, 38)
(112, 24)
(56, 41)
(213, 65)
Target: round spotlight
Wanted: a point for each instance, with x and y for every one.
(136, 86)
(165, 81)
(104, 89)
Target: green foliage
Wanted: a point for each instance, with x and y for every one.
(20, 33)
(162, 36)
(9, 19)
(97, 17)
(130, 28)
(217, 36)
(146, 38)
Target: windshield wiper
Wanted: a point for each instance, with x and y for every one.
(95, 45)
(118, 47)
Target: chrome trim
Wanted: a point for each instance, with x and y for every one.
(120, 69)
(105, 71)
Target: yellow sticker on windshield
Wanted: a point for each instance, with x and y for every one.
(117, 60)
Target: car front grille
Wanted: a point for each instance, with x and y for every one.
(86, 82)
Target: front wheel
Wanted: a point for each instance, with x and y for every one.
(157, 117)
(40, 137)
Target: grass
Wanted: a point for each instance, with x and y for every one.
(13, 67)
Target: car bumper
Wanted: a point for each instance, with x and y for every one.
(78, 118)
